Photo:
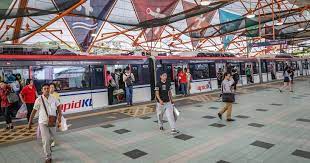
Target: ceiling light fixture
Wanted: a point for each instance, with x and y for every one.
(205, 2)
(280, 22)
(300, 29)
(250, 14)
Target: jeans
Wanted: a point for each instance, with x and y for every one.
(183, 88)
(129, 92)
(29, 110)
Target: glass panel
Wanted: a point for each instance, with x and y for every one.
(141, 73)
(199, 71)
(255, 70)
(264, 67)
(97, 77)
(65, 77)
(212, 70)
(242, 71)
(9, 74)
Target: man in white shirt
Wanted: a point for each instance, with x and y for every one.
(51, 105)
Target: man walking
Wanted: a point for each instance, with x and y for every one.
(164, 103)
(46, 105)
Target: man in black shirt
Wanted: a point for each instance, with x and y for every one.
(164, 103)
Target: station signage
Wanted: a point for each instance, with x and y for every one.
(268, 43)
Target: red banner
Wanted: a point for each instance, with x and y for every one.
(197, 22)
(153, 9)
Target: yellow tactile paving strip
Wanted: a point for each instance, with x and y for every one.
(17, 134)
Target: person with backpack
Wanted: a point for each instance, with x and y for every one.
(227, 96)
(128, 79)
(164, 103)
(46, 106)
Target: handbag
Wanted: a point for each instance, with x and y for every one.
(51, 119)
(12, 97)
(228, 97)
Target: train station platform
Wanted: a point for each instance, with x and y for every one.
(270, 127)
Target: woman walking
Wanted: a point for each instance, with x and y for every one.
(287, 80)
(227, 96)
(28, 96)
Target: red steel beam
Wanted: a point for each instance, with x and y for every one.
(19, 21)
(53, 20)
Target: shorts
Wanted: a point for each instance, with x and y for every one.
(286, 79)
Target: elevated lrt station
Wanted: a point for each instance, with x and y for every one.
(108, 81)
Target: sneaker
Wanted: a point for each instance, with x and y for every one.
(174, 131)
(53, 144)
(280, 90)
(220, 115)
(161, 128)
(230, 120)
(7, 128)
(12, 127)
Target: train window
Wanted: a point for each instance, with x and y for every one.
(141, 72)
(242, 71)
(212, 70)
(97, 77)
(264, 67)
(165, 68)
(199, 71)
(279, 66)
(65, 77)
(255, 71)
(9, 74)
(305, 65)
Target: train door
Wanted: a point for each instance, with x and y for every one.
(255, 72)
(177, 68)
(305, 67)
(299, 68)
(264, 71)
(279, 69)
(243, 78)
(220, 68)
(271, 70)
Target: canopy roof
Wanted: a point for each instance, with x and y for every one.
(109, 26)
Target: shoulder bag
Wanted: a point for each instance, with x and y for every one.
(51, 119)
(12, 97)
(228, 97)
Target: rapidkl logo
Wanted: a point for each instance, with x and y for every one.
(203, 87)
(77, 104)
